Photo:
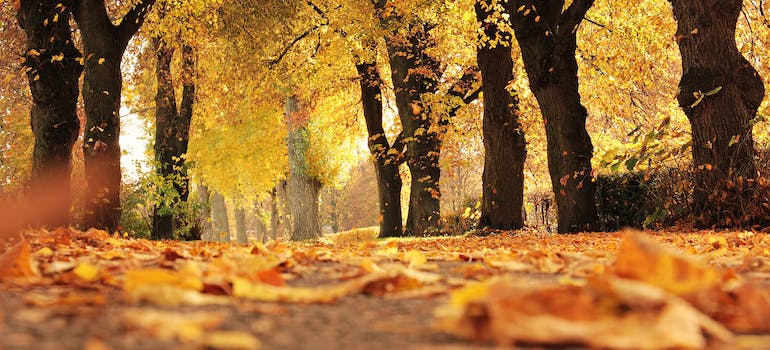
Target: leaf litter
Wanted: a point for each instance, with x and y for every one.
(626, 290)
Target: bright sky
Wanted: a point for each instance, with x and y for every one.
(134, 141)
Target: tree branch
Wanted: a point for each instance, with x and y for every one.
(133, 20)
(288, 47)
(463, 87)
(574, 14)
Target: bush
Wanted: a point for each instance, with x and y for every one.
(623, 200)
(459, 223)
(644, 199)
(151, 192)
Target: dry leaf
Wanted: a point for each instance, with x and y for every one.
(643, 259)
(17, 262)
(608, 313)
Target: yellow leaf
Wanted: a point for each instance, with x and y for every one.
(100, 61)
(45, 251)
(57, 58)
(135, 279)
(87, 272)
(643, 259)
(415, 258)
(235, 340)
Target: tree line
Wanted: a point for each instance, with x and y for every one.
(720, 92)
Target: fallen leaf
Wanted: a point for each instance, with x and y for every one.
(643, 259)
(17, 262)
(231, 340)
(607, 313)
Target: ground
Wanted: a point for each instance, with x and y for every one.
(89, 290)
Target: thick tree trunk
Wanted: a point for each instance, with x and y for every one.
(504, 145)
(52, 65)
(414, 74)
(387, 158)
(219, 222)
(240, 225)
(104, 44)
(302, 188)
(719, 92)
(549, 59)
(172, 133)
(206, 230)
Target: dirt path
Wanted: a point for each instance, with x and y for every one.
(354, 322)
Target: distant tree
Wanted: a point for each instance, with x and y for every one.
(720, 92)
(240, 225)
(52, 65)
(302, 187)
(172, 133)
(547, 35)
(219, 222)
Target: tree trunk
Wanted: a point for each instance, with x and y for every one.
(302, 188)
(240, 225)
(104, 44)
(414, 74)
(549, 59)
(219, 221)
(387, 158)
(504, 145)
(260, 228)
(207, 230)
(52, 65)
(719, 92)
(275, 219)
(172, 133)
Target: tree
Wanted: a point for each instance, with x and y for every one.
(219, 222)
(504, 144)
(172, 133)
(204, 197)
(720, 92)
(103, 46)
(240, 225)
(387, 156)
(547, 35)
(302, 187)
(52, 65)
(423, 108)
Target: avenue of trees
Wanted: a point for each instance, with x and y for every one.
(263, 105)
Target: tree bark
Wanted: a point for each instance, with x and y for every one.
(720, 93)
(206, 229)
(504, 144)
(240, 225)
(172, 134)
(103, 44)
(548, 41)
(302, 188)
(51, 62)
(219, 221)
(415, 73)
(387, 157)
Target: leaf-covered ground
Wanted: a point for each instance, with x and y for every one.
(89, 290)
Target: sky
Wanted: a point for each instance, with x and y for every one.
(134, 140)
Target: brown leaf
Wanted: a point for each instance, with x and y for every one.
(607, 313)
